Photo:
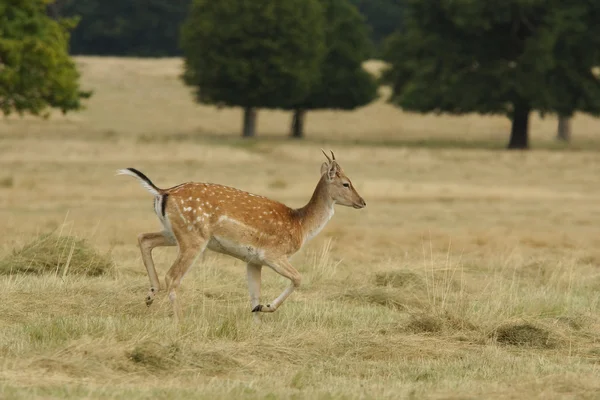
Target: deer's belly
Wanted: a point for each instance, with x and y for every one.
(243, 252)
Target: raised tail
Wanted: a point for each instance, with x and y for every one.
(144, 180)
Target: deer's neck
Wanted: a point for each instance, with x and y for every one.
(314, 216)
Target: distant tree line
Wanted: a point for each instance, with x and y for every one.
(137, 28)
(297, 55)
(383, 17)
(150, 28)
(512, 58)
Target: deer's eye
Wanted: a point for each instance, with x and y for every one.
(346, 185)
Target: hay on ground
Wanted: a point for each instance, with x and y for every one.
(524, 335)
(61, 255)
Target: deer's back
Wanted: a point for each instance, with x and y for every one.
(235, 222)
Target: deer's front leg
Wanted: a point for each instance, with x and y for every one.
(283, 268)
(253, 272)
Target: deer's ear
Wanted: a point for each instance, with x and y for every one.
(332, 170)
(324, 168)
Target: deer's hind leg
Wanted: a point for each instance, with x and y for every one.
(149, 241)
(189, 251)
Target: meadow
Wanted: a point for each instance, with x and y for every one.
(473, 272)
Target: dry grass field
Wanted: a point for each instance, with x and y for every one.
(473, 272)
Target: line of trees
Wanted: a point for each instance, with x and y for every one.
(383, 18)
(510, 58)
(136, 28)
(296, 55)
(445, 56)
(150, 28)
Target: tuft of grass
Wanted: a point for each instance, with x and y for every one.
(226, 329)
(154, 356)
(7, 182)
(301, 379)
(158, 357)
(428, 322)
(399, 279)
(390, 298)
(55, 254)
(524, 335)
(425, 323)
(278, 184)
(320, 264)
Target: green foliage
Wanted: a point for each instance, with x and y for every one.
(36, 71)
(253, 53)
(383, 17)
(146, 28)
(343, 84)
(508, 58)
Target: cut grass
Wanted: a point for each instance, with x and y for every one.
(524, 334)
(471, 273)
(52, 253)
(399, 279)
(7, 182)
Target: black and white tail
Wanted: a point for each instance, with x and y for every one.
(160, 199)
(144, 180)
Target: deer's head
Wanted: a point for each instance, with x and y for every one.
(339, 186)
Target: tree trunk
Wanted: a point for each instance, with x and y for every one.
(298, 124)
(564, 128)
(249, 128)
(519, 133)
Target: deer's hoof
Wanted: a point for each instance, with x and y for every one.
(258, 308)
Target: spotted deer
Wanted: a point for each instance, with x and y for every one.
(252, 228)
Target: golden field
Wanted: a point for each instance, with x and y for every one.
(473, 272)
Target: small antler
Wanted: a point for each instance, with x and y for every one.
(326, 156)
(332, 155)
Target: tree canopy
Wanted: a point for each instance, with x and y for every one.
(343, 83)
(510, 58)
(382, 16)
(253, 53)
(36, 71)
(143, 28)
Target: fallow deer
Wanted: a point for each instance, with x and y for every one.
(252, 228)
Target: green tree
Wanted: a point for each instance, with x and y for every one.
(343, 83)
(142, 28)
(510, 58)
(252, 53)
(383, 17)
(36, 71)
